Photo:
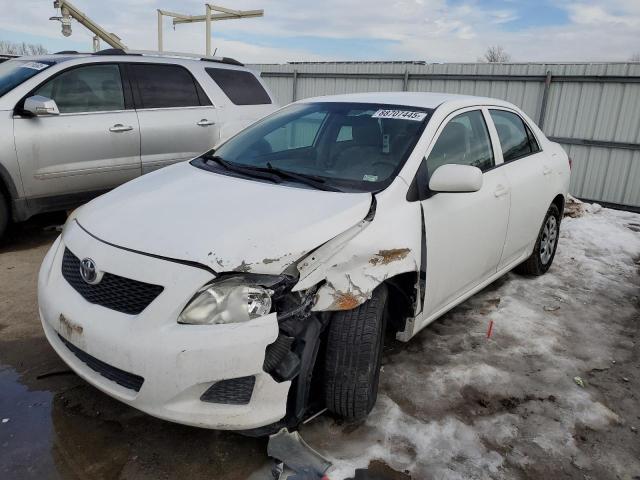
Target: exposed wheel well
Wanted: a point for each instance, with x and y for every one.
(401, 300)
(559, 202)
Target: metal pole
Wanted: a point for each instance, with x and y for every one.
(545, 99)
(294, 88)
(159, 30)
(208, 29)
(89, 24)
(405, 83)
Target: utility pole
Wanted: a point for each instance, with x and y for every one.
(69, 11)
(209, 17)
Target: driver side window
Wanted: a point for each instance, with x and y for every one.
(463, 141)
(96, 88)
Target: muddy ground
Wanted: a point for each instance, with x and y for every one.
(453, 403)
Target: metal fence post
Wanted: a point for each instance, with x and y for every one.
(294, 88)
(405, 83)
(545, 99)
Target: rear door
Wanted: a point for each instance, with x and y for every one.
(177, 119)
(464, 232)
(525, 170)
(94, 144)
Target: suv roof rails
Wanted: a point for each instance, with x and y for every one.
(152, 53)
(113, 51)
(70, 52)
(227, 60)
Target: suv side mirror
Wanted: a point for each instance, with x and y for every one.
(41, 106)
(456, 178)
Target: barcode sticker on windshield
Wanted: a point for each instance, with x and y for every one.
(35, 65)
(400, 115)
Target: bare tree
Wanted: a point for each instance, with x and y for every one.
(496, 54)
(21, 48)
(635, 57)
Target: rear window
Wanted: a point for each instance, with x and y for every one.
(516, 139)
(242, 87)
(166, 86)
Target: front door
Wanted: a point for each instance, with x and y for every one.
(464, 232)
(177, 120)
(94, 144)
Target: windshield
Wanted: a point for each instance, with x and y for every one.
(347, 146)
(14, 72)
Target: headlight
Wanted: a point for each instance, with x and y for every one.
(231, 300)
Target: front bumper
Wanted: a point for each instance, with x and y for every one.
(177, 363)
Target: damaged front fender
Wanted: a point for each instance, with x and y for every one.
(350, 266)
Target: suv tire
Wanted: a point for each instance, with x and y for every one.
(4, 214)
(353, 357)
(545, 248)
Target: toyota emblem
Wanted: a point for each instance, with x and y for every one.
(88, 271)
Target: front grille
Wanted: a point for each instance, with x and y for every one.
(115, 292)
(234, 391)
(125, 379)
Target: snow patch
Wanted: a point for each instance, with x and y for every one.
(454, 404)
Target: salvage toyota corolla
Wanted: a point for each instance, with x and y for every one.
(252, 286)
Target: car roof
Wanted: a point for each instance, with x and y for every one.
(112, 55)
(410, 99)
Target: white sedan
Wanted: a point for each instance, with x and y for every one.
(253, 285)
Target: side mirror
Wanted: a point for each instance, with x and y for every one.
(40, 106)
(456, 178)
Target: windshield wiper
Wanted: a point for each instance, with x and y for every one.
(246, 170)
(311, 180)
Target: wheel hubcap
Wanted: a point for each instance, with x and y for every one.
(548, 241)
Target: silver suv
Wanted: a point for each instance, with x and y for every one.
(75, 125)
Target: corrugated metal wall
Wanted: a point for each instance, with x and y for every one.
(592, 109)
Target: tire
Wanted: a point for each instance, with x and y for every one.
(545, 248)
(353, 356)
(4, 215)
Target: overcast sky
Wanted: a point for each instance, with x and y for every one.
(295, 30)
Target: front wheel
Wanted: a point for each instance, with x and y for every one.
(353, 357)
(4, 214)
(545, 248)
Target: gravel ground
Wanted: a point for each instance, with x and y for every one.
(453, 403)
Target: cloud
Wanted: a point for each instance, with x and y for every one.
(432, 30)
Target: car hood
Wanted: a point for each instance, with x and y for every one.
(223, 222)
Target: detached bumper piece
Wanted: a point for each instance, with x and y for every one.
(294, 454)
(234, 391)
(114, 292)
(280, 361)
(122, 378)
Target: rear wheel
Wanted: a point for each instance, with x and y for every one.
(353, 357)
(4, 214)
(545, 249)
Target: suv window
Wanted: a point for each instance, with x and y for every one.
(242, 87)
(516, 139)
(299, 133)
(464, 141)
(94, 88)
(165, 86)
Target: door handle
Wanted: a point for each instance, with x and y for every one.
(546, 170)
(118, 127)
(500, 191)
(205, 123)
